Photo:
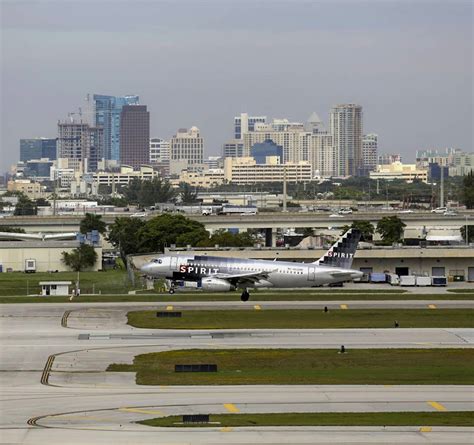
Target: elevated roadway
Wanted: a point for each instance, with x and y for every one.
(63, 223)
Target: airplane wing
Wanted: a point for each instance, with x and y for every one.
(250, 277)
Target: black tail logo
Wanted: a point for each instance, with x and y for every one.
(342, 252)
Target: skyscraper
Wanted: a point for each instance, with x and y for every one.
(106, 114)
(187, 145)
(134, 135)
(346, 130)
(369, 152)
(37, 148)
(80, 144)
(245, 123)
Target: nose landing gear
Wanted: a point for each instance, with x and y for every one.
(245, 296)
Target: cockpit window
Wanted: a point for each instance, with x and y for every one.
(157, 260)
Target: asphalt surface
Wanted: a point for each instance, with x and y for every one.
(54, 388)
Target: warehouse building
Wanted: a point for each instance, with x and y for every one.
(39, 256)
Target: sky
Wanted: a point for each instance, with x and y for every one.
(408, 63)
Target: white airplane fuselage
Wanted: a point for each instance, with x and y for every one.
(212, 273)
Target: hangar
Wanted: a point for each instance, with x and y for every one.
(47, 255)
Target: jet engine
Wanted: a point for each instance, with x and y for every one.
(216, 285)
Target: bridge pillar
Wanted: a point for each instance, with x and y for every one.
(270, 237)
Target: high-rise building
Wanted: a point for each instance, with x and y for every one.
(134, 135)
(106, 111)
(37, 148)
(346, 130)
(233, 149)
(80, 144)
(298, 144)
(369, 152)
(187, 146)
(322, 154)
(245, 123)
(159, 151)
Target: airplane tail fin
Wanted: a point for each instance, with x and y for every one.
(342, 252)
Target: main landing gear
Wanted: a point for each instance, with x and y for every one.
(245, 296)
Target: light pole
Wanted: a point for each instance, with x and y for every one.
(467, 231)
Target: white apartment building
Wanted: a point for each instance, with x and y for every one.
(462, 164)
(160, 151)
(246, 171)
(187, 145)
(346, 129)
(369, 151)
(245, 123)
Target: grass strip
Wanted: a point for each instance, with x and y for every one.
(452, 418)
(306, 366)
(107, 282)
(306, 319)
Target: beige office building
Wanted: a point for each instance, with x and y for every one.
(32, 190)
(397, 170)
(246, 171)
(187, 145)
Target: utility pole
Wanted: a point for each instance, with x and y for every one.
(441, 191)
(54, 192)
(284, 188)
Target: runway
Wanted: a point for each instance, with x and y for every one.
(78, 402)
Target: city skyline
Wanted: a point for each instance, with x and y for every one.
(415, 86)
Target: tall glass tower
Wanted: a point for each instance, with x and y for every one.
(107, 110)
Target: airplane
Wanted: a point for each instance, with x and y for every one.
(221, 274)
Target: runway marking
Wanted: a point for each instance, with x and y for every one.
(437, 406)
(169, 308)
(257, 307)
(343, 306)
(426, 429)
(432, 306)
(141, 411)
(226, 429)
(231, 408)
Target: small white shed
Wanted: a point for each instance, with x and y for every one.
(55, 287)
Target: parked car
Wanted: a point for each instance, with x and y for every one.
(405, 211)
